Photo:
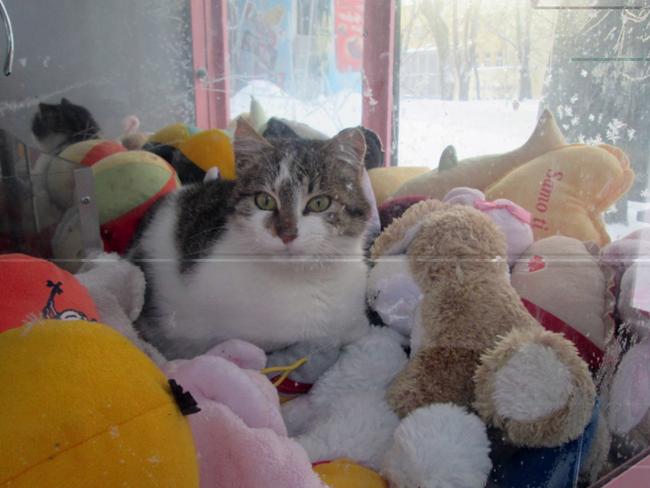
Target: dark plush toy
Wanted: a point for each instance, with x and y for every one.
(187, 171)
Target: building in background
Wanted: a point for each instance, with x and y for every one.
(305, 47)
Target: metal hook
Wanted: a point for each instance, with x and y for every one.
(9, 60)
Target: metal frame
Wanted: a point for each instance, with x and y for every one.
(211, 63)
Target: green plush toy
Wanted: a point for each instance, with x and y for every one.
(127, 184)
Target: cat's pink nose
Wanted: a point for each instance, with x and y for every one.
(287, 238)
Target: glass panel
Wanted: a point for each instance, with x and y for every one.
(283, 250)
(301, 63)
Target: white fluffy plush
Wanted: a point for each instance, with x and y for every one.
(345, 414)
(439, 446)
(117, 288)
(533, 383)
(393, 293)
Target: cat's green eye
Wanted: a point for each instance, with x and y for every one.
(264, 201)
(319, 203)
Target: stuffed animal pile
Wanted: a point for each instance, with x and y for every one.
(509, 344)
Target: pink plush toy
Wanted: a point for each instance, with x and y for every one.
(512, 219)
(629, 403)
(240, 436)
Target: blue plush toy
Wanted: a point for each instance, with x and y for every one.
(557, 467)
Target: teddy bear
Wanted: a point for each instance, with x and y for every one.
(475, 345)
(392, 293)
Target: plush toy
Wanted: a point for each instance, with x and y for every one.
(480, 172)
(392, 293)
(208, 149)
(81, 406)
(173, 134)
(240, 437)
(60, 174)
(117, 288)
(345, 473)
(127, 184)
(385, 181)
(456, 254)
(37, 289)
(512, 220)
(457, 259)
(563, 286)
(567, 189)
(345, 415)
(629, 395)
(394, 207)
(194, 155)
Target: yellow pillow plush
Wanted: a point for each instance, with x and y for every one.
(81, 406)
(481, 171)
(566, 190)
(385, 181)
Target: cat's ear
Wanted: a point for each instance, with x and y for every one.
(65, 101)
(250, 147)
(248, 143)
(348, 146)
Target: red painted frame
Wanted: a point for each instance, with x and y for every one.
(210, 62)
(378, 62)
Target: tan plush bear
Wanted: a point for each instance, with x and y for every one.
(473, 343)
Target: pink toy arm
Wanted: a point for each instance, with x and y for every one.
(212, 379)
(242, 353)
(233, 455)
(463, 196)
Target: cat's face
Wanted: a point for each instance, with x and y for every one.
(300, 197)
(65, 122)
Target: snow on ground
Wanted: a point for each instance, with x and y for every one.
(426, 126)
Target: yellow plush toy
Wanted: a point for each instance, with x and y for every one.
(343, 473)
(211, 148)
(482, 171)
(81, 406)
(385, 181)
(566, 190)
(173, 134)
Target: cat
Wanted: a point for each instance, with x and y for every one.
(274, 258)
(57, 125)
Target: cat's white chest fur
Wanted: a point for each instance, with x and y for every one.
(272, 304)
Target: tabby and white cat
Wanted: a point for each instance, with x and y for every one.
(274, 258)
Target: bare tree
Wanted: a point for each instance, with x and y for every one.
(463, 33)
(432, 12)
(523, 22)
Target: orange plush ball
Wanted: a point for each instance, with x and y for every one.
(35, 288)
